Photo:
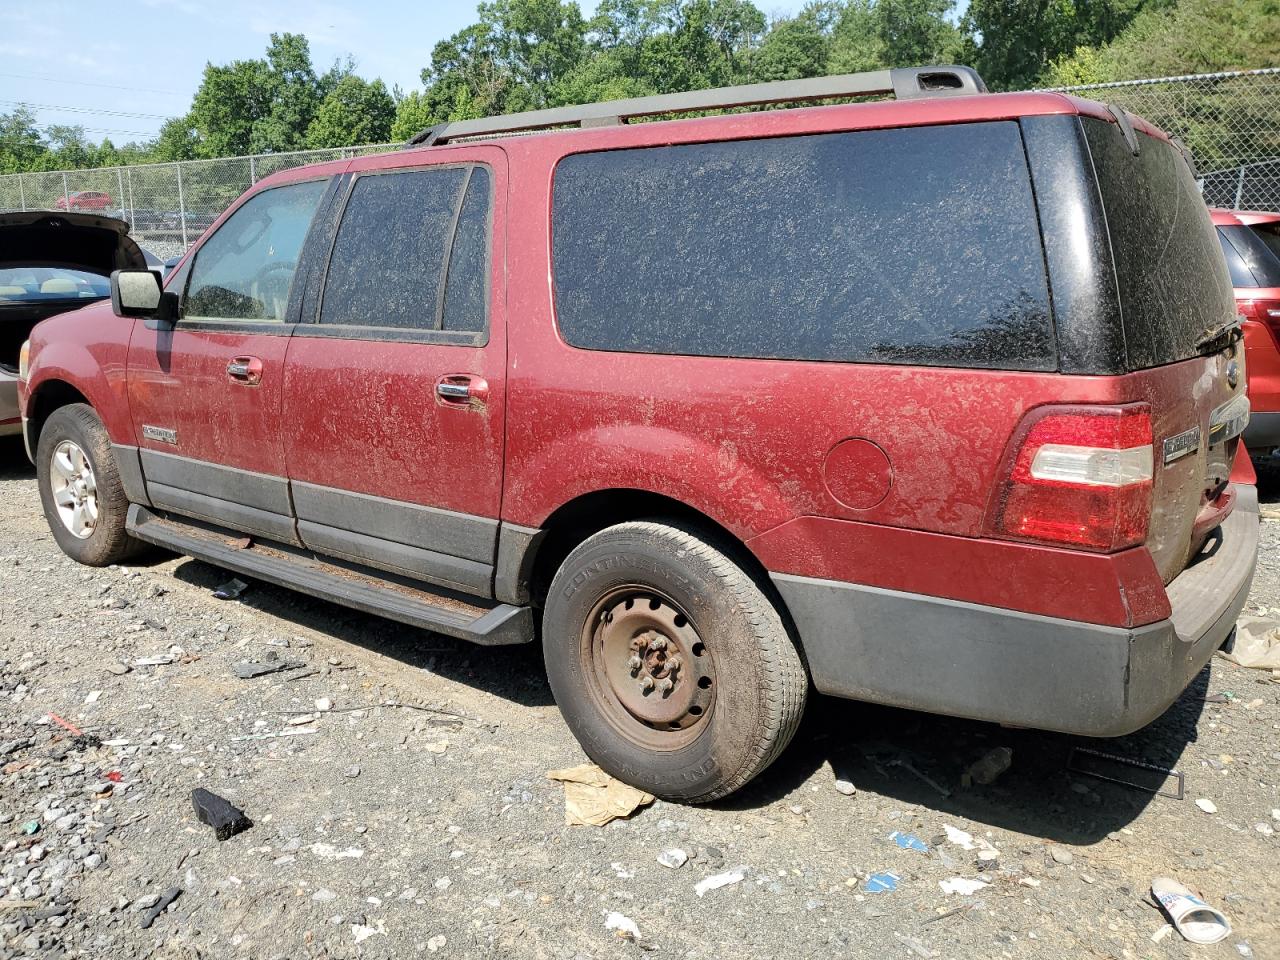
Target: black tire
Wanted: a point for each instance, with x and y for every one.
(107, 543)
(748, 665)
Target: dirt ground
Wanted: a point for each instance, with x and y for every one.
(388, 831)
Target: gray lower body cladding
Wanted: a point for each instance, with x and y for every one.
(967, 660)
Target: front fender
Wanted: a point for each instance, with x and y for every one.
(88, 351)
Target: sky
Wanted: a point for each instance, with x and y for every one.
(120, 74)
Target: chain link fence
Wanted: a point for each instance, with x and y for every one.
(1231, 122)
(168, 204)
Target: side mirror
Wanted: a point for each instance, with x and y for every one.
(137, 293)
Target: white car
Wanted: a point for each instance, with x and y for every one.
(52, 262)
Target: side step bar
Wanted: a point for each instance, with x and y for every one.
(488, 623)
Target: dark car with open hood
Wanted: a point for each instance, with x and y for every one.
(52, 262)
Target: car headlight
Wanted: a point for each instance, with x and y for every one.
(24, 361)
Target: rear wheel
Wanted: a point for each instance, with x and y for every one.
(80, 489)
(670, 665)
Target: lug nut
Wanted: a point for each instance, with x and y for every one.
(673, 664)
(635, 663)
(665, 686)
(646, 683)
(658, 643)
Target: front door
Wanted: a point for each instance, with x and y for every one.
(205, 395)
(395, 383)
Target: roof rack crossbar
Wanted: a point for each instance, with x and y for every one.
(905, 83)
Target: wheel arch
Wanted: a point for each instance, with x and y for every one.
(574, 521)
(48, 396)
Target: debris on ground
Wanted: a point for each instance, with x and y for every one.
(909, 841)
(622, 925)
(1255, 643)
(675, 858)
(715, 882)
(593, 798)
(249, 669)
(987, 768)
(886, 882)
(963, 886)
(1192, 917)
(231, 590)
(1207, 805)
(226, 819)
(160, 906)
(846, 787)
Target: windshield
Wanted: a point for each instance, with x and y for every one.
(35, 284)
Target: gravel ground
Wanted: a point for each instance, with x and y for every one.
(392, 832)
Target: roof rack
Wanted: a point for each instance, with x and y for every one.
(905, 83)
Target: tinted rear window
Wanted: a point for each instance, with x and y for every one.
(1270, 234)
(1241, 275)
(1261, 266)
(1169, 267)
(916, 246)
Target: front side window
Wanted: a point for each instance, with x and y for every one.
(245, 270)
(915, 246)
(412, 252)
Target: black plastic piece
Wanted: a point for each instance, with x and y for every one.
(226, 819)
(1126, 128)
(914, 83)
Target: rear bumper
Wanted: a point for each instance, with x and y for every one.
(988, 663)
(1263, 431)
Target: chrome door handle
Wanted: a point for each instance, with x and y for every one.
(462, 390)
(246, 370)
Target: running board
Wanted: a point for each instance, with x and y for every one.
(491, 624)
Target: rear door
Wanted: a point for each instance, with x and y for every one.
(395, 384)
(205, 395)
(1174, 292)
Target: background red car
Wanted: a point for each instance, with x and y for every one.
(85, 200)
(1251, 243)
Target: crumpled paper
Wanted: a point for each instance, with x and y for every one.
(1256, 643)
(593, 798)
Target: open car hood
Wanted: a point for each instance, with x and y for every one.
(77, 241)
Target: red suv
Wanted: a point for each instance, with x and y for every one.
(1251, 244)
(930, 401)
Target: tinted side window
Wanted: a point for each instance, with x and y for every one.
(245, 270)
(1270, 234)
(391, 255)
(912, 246)
(1239, 270)
(1262, 263)
(465, 302)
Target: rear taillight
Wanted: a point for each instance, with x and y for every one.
(1267, 311)
(1079, 476)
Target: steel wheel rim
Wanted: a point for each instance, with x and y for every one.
(648, 668)
(74, 488)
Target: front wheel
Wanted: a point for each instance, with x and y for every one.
(669, 663)
(80, 489)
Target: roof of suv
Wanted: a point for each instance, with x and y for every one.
(773, 122)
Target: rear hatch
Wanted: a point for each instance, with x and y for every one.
(52, 262)
(1183, 352)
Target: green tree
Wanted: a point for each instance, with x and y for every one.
(799, 46)
(179, 139)
(1191, 36)
(917, 32)
(355, 112)
(295, 96)
(20, 142)
(1012, 42)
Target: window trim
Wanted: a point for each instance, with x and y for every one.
(281, 328)
(310, 325)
